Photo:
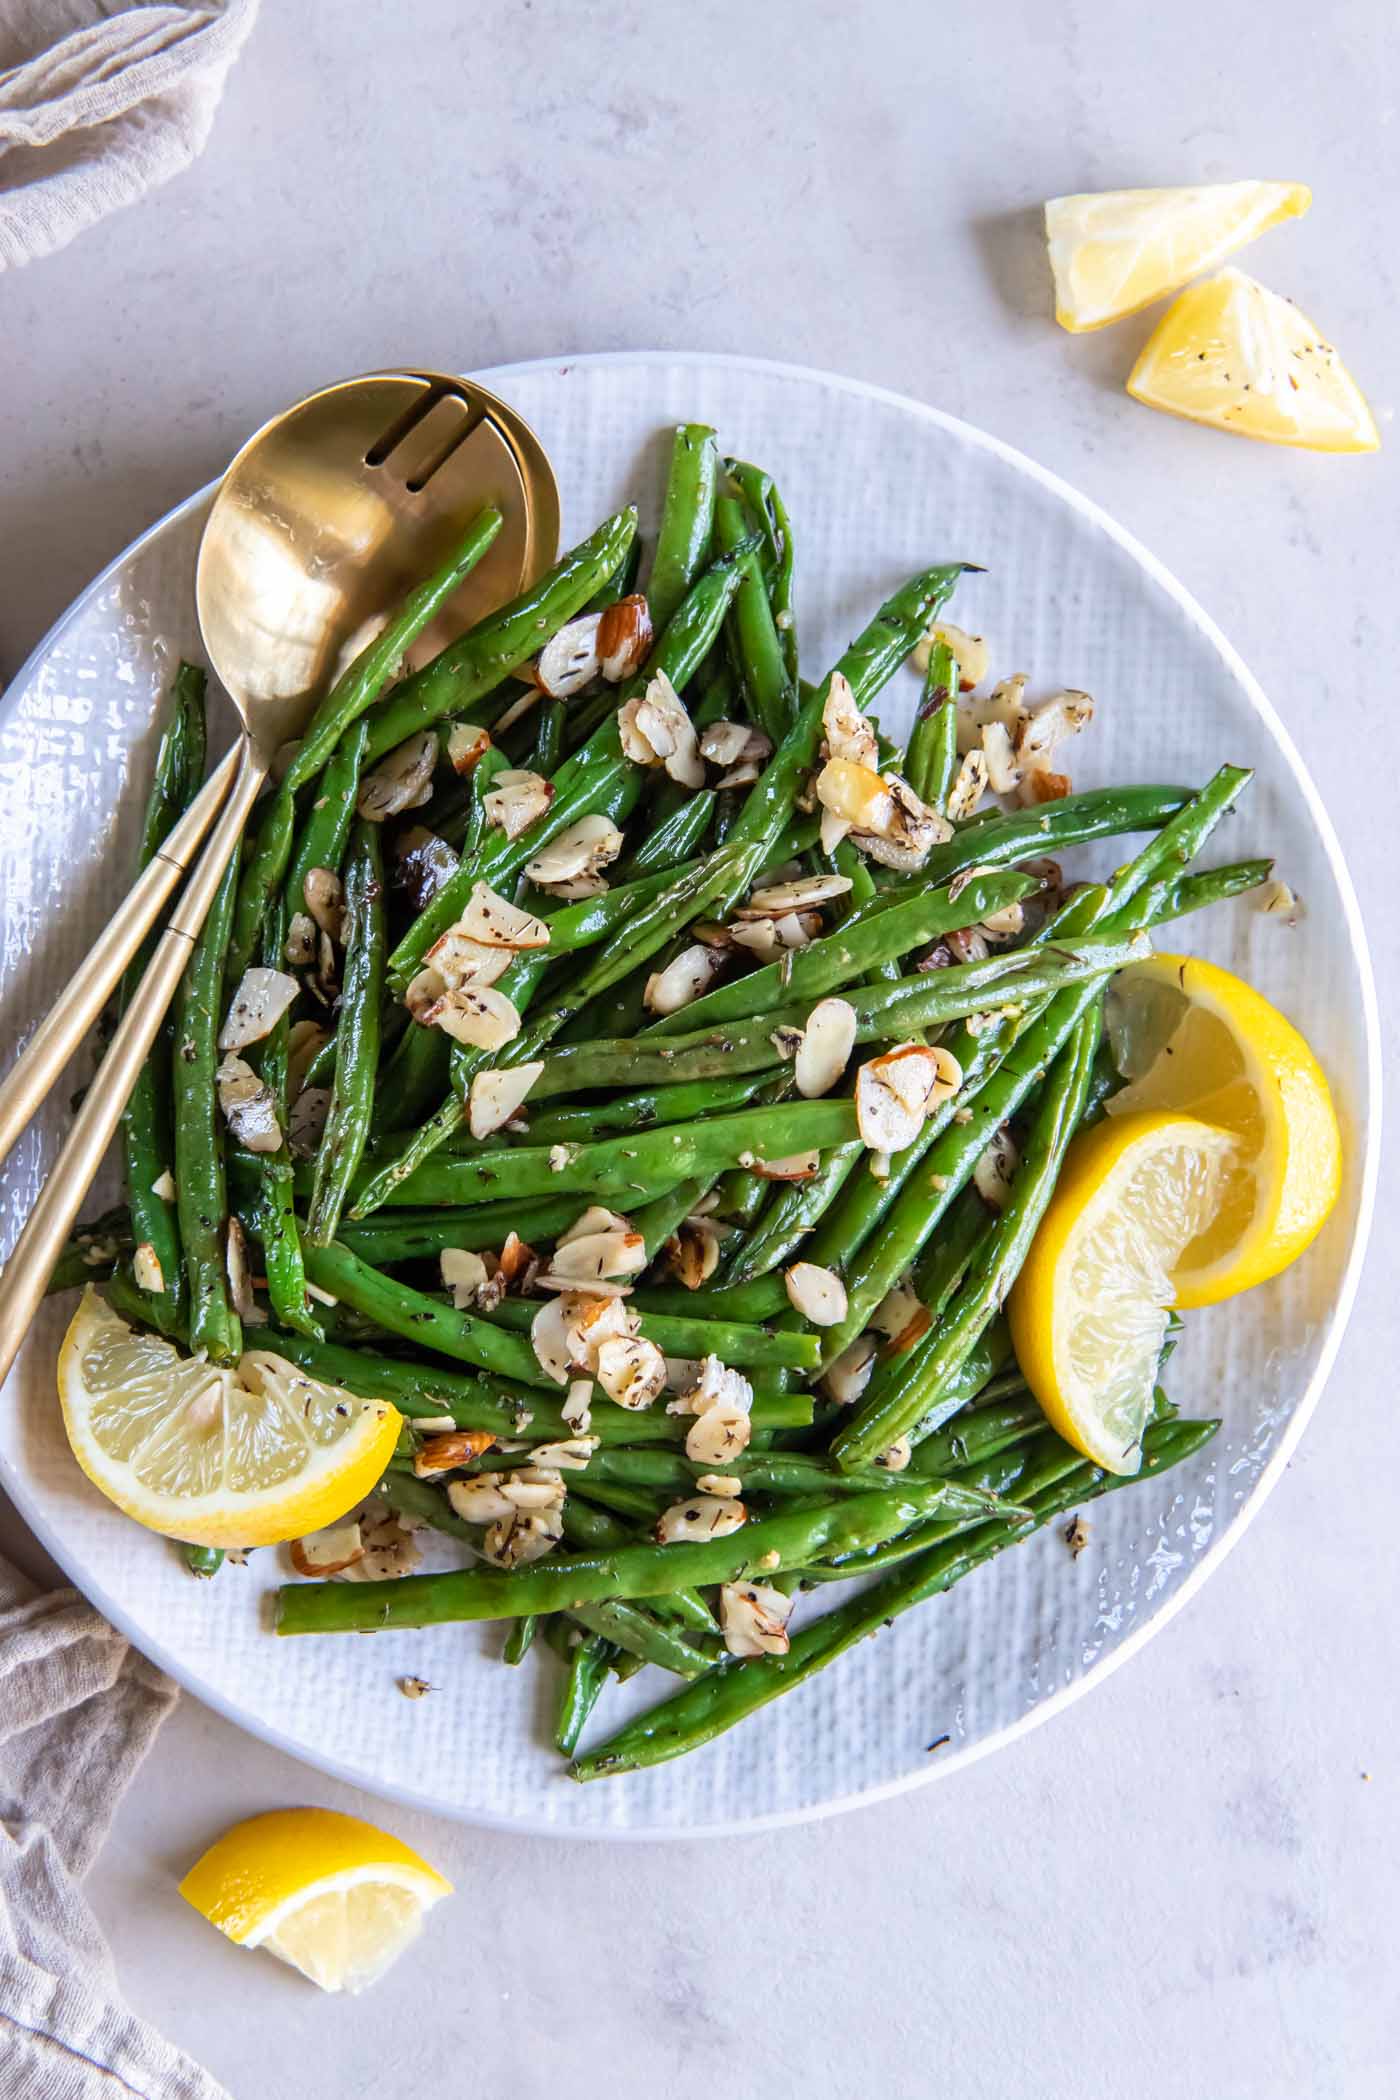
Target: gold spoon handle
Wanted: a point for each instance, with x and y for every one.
(36, 1251)
(77, 1007)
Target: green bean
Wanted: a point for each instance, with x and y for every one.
(413, 1077)
(549, 738)
(646, 1110)
(766, 505)
(584, 1679)
(94, 1251)
(755, 1301)
(520, 1639)
(619, 1167)
(882, 933)
(201, 1192)
(419, 1235)
(687, 519)
(566, 1580)
(768, 685)
(658, 1220)
(147, 1138)
(599, 1530)
(326, 832)
(790, 1217)
(273, 1217)
(416, 1318)
(641, 1634)
(727, 1695)
(357, 1038)
(673, 840)
(202, 1561)
(356, 690)
(780, 1474)
(932, 757)
(471, 668)
(877, 1425)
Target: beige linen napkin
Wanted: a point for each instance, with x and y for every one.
(78, 1712)
(100, 102)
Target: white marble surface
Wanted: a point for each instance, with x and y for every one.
(1188, 1880)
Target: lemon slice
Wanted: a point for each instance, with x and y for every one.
(330, 1895)
(1115, 251)
(1235, 355)
(1089, 1310)
(1192, 1039)
(239, 1457)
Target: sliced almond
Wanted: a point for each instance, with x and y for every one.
(423, 862)
(594, 1255)
(299, 948)
(996, 1169)
(1041, 785)
(795, 1166)
(480, 1500)
(571, 659)
(597, 1318)
(577, 1408)
(817, 1293)
(690, 974)
(754, 1617)
(631, 1371)
(496, 1094)
(968, 788)
(850, 1374)
(827, 1043)
(724, 743)
(716, 1386)
(323, 893)
(1041, 733)
(624, 637)
(970, 651)
(897, 1456)
(834, 828)
(329, 1551)
(803, 895)
(467, 744)
(450, 1452)
(477, 1015)
(263, 996)
(597, 1218)
(850, 735)
(1003, 773)
(248, 1106)
(516, 800)
(718, 1436)
(307, 1121)
(146, 1269)
(569, 1454)
(856, 794)
(305, 1041)
(464, 1273)
(692, 1253)
(1005, 704)
(497, 923)
(578, 854)
(701, 1517)
(240, 1274)
(769, 939)
(657, 731)
(403, 780)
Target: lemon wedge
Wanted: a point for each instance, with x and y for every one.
(326, 1893)
(1192, 1039)
(1089, 1310)
(238, 1457)
(1235, 355)
(1115, 251)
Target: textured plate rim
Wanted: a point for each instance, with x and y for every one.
(1338, 1317)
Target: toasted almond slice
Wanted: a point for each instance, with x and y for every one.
(240, 1273)
(1041, 785)
(497, 923)
(631, 1371)
(467, 745)
(450, 1452)
(247, 1105)
(718, 1386)
(305, 1041)
(307, 1121)
(516, 800)
(996, 1169)
(656, 731)
(403, 780)
(571, 659)
(700, 1517)
(480, 1500)
(596, 1218)
(329, 1551)
(597, 1319)
(624, 637)
(1003, 773)
(856, 794)
(476, 1015)
(970, 650)
(1004, 704)
(263, 996)
(969, 786)
(741, 776)
(596, 1255)
(692, 972)
(897, 1456)
(146, 1269)
(299, 948)
(770, 938)
(834, 828)
(718, 1436)
(577, 1408)
(524, 1537)
(579, 853)
(817, 1293)
(454, 960)
(795, 1166)
(464, 1273)
(323, 893)
(497, 1093)
(692, 1253)
(550, 1336)
(164, 1186)
(848, 1377)
(423, 862)
(571, 1454)
(719, 1484)
(754, 1617)
(827, 1043)
(1042, 733)
(850, 736)
(804, 895)
(724, 743)
(886, 1123)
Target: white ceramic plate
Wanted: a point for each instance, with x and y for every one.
(877, 486)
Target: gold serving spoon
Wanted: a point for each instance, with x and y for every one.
(329, 514)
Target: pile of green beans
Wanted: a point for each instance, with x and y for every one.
(687, 1125)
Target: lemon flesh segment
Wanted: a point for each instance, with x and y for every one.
(1113, 252)
(1089, 1311)
(243, 1456)
(1234, 355)
(326, 1893)
(1193, 1039)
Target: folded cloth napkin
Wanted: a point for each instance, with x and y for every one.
(78, 1712)
(99, 103)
